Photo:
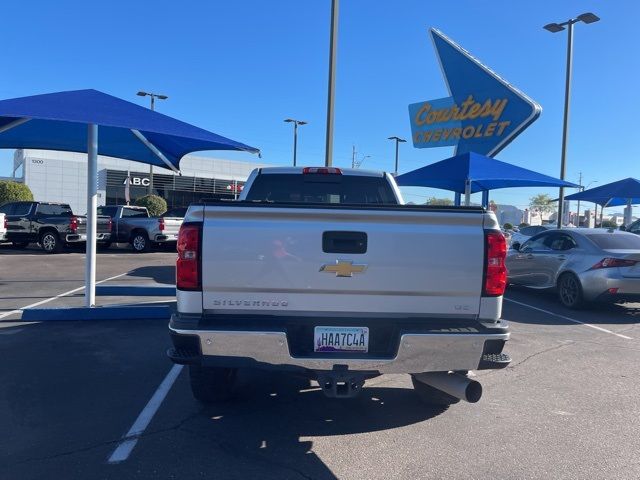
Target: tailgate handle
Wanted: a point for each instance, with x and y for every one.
(344, 242)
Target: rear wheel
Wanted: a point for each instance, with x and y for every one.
(570, 290)
(212, 384)
(50, 242)
(140, 242)
(432, 396)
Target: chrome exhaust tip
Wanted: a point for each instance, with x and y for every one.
(453, 384)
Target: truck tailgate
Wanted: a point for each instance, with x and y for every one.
(172, 225)
(104, 224)
(272, 259)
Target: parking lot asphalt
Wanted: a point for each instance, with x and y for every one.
(567, 406)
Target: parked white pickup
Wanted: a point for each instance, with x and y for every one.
(3, 227)
(327, 272)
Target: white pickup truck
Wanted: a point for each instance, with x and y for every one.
(3, 227)
(326, 271)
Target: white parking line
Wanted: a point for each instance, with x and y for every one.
(569, 319)
(42, 302)
(125, 447)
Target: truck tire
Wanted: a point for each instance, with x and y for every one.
(211, 384)
(432, 396)
(570, 291)
(140, 242)
(50, 242)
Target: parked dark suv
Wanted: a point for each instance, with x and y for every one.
(634, 227)
(51, 225)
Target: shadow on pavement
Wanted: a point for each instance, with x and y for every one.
(593, 312)
(160, 274)
(265, 428)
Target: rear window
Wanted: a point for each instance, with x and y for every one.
(318, 188)
(21, 209)
(107, 211)
(134, 212)
(7, 208)
(616, 241)
(175, 212)
(53, 210)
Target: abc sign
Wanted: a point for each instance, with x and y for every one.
(137, 182)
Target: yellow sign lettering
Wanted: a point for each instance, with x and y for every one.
(502, 126)
(419, 116)
(468, 131)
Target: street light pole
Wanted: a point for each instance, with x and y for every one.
(398, 140)
(580, 189)
(295, 136)
(328, 159)
(153, 97)
(554, 28)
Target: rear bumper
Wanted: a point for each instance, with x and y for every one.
(166, 238)
(414, 351)
(82, 237)
(609, 285)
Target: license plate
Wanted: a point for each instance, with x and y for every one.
(341, 339)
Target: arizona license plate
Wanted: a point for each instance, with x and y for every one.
(341, 339)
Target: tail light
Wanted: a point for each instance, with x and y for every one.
(161, 224)
(495, 271)
(6, 223)
(110, 224)
(73, 224)
(322, 170)
(188, 264)
(614, 262)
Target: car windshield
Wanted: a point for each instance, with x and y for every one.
(616, 241)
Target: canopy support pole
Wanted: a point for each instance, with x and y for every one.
(602, 211)
(467, 193)
(485, 198)
(92, 218)
(457, 199)
(628, 213)
(154, 150)
(13, 124)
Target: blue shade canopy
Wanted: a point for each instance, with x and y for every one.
(58, 121)
(482, 172)
(611, 194)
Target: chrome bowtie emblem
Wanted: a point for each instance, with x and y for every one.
(343, 268)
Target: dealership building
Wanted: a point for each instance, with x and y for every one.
(62, 177)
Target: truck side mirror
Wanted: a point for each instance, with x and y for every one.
(516, 246)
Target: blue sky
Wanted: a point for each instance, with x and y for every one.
(239, 68)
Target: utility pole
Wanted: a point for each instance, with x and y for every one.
(353, 156)
(328, 160)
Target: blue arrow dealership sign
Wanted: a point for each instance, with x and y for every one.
(483, 114)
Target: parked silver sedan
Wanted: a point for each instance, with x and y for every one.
(585, 264)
